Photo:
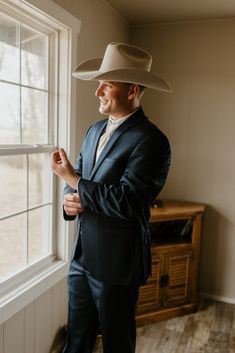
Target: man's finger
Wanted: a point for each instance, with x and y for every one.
(72, 197)
(72, 204)
(63, 155)
(55, 156)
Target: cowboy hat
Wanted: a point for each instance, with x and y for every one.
(122, 63)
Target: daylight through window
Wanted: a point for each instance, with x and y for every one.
(27, 110)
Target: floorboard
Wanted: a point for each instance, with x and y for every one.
(210, 330)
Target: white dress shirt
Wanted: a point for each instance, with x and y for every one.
(112, 125)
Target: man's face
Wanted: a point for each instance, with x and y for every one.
(114, 98)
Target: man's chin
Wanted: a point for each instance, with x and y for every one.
(103, 111)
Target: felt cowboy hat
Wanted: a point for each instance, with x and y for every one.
(122, 63)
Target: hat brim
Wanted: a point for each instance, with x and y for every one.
(89, 71)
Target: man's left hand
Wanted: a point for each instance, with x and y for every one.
(62, 167)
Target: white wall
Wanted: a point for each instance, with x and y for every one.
(33, 329)
(198, 59)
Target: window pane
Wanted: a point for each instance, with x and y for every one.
(39, 237)
(34, 116)
(13, 181)
(9, 114)
(39, 179)
(33, 58)
(9, 49)
(13, 244)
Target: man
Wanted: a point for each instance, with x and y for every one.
(122, 166)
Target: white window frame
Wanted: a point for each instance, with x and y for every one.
(20, 290)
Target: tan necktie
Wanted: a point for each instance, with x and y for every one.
(105, 137)
(111, 126)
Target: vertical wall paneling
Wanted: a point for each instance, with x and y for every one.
(56, 323)
(1, 339)
(63, 288)
(14, 334)
(29, 329)
(43, 323)
(59, 313)
(34, 329)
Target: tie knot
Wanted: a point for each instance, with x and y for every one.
(112, 125)
(113, 122)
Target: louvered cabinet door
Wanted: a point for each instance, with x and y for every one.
(175, 231)
(178, 281)
(149, 294)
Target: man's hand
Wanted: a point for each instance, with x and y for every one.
(63, 168)
(72, 205)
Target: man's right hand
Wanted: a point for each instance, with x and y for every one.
(72, 204)
(62, 167)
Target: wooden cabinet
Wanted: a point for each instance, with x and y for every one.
(175, 236)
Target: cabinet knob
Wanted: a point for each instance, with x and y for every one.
(164, 280)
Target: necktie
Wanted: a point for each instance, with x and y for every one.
(105, 137)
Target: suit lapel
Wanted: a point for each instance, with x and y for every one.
(94, 145)
(129, 123)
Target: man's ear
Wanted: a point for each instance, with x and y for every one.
(133, 91)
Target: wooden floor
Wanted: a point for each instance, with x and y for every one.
(210, 330)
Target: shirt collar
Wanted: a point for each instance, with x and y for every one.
(118, 122)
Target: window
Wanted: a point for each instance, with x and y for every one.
(27, 121)
(35, 116)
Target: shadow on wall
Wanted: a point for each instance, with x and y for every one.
(59, 340)
(217, 254)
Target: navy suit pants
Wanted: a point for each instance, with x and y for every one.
(95, 307)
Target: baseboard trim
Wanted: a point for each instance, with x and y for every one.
(217, 298)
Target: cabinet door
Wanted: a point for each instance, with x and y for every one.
(178, 269)
(149, 294)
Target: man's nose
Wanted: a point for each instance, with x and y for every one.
(99, 92)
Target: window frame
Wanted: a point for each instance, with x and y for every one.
(21, 289)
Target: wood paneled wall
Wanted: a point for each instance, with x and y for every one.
(33, 329)
(199, 118)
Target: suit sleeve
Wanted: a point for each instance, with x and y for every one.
(143, 179)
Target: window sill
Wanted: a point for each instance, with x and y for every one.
(20, 297)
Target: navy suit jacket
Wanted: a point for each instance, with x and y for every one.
(116, 193)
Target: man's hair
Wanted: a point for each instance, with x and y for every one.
(141, 88)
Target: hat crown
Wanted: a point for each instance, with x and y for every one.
(125, 56)
(122, 62)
